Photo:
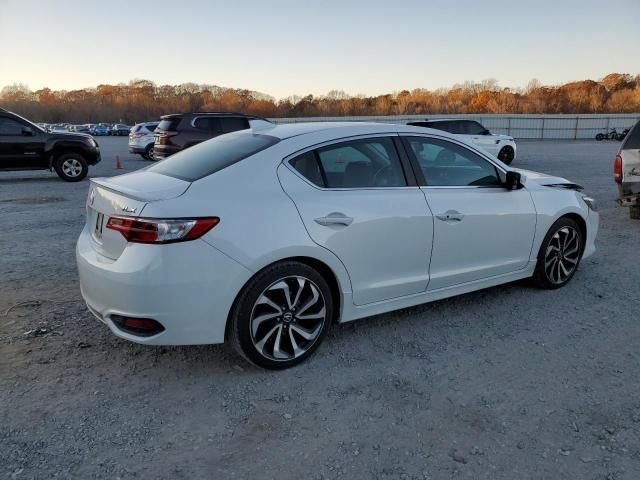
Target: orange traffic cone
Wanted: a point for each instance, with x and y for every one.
(118, 164)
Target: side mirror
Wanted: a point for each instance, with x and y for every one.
(513, 181)
(27, 132)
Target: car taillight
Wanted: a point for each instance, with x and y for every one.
(154, 230)
(162, 138)
(617, 169)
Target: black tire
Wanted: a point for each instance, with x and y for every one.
(634, 212)
(148, 153)
(71, 167)
(506, 155)
(246, 335)
(600, 137)
(546, 274)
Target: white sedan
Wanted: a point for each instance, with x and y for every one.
(264, 238)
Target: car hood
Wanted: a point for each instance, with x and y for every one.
(529, 176)
(69, 136)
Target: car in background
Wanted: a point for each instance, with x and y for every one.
(501, 146)
(99, 130)
(141, 139)
(266, 237)
(26, 146)
(179, 131)
(119, 129)
(81, 129)
(58, 128)
(626, 169)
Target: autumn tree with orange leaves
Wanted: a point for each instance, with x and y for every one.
(142, 100)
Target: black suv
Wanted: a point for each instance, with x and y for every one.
(25, 146)
(183, 130)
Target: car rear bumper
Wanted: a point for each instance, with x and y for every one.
(164, 151)
(188, 287)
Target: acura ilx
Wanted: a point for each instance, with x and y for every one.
(265, 237)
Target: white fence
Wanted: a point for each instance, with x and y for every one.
(536, 127)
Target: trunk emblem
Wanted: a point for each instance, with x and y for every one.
(127, 209)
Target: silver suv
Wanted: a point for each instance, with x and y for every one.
(141, 139)
(626, 169)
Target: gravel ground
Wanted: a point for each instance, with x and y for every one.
(510, 382)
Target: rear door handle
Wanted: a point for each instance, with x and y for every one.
(450, 216)
(334, 218)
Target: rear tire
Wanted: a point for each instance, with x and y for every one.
(71, 167)
(281, 316)
(507, 154)
(600, 137)
(634, 212)
(148, 153)
(559, 254)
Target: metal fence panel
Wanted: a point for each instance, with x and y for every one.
(528, 126)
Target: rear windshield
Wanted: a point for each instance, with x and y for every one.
(632, 140)
(169, 124)
(136, 128)
(213, 155)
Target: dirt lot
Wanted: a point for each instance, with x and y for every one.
(506, 383)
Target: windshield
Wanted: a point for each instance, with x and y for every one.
(213, 155)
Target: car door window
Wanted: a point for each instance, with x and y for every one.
(9, 127)
(474, 128)
(447, 164)
(209, 124)
(365, 163)
(233, 124)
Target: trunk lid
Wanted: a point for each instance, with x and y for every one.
(124, 195)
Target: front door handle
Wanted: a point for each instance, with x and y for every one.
(334, 218)
(450, 216)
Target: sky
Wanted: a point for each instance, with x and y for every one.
(289, 47)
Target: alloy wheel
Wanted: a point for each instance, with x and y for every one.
(72, 167)
(562, 255)
(287, 318)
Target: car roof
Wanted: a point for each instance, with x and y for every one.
(213, 114)
(342, 129)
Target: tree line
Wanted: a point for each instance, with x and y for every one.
(142, 100)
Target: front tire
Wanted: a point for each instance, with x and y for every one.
(507, 154)
(71, 167)
(559, 254)
(281, 316)
(600, 137)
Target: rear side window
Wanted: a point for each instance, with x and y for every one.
(169, 124)
(213, 155)
(210, 124)
(632, 140)
(365, 163)
(233, 124)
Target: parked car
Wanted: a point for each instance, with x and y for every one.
(627, 172)
(183, 130)
(501, 146)
(141, 139)
(119, 129)
(99, 130)
(81, 129)
(25, 146)
(265, 237)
